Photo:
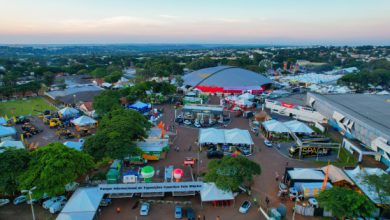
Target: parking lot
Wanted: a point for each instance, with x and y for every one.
(271, 161)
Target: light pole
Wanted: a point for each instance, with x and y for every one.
(31, 202)
(74, 99)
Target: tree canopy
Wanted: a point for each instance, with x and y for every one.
(52, 167)
(106, 101)
(116, 135)
(343, 203)
(13, 163)
(230, 172)
(381, 185)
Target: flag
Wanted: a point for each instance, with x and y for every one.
(326, 177)
(14, 119)
(22, 137)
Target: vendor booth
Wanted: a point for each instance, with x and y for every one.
(298, 127)
(274, 128)
(226, 139)
(82, 205)
(140, 106)
(211, 193)
(7, 133)
(68, 112)
(203, 114)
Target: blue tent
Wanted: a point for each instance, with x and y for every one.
(7, 131)
(139, 106)
(3, 121)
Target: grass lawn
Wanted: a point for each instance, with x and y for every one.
(33, 106)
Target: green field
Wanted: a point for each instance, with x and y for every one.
(33, 106)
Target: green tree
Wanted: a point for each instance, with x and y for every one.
(13, 163)
(106, 101)
(179, 81)
(345, 203)
(52, 167)
(381, 185)
(116, 135)
(230, 172)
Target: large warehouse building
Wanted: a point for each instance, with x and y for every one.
(363, 117)
(226, 79)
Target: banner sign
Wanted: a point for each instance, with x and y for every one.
(150, 187)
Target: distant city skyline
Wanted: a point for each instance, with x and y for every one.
(303, 22)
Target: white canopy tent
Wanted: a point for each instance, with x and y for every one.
(247, 96)
(84, 121)
(210, 192)
(306, 174)
(82, 205)
(238, 136)
(298, 127)
(275, 126)
(211, 135)
(225, 136)
(68, 112)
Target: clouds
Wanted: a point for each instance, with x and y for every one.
(173, 21)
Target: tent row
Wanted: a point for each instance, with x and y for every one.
(224, 136)
(287, 127)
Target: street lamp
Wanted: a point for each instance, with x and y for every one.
(74, 99)
(31, 202)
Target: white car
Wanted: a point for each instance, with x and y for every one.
(53, 200)
(268, 143)
(187, 122)
(144, 209)
(57, 206)
(4, 202)
(197, 124)
(244, 208)
(19, 200)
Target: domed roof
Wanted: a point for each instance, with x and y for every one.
(227, 77)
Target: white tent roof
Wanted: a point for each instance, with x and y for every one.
(210, 192)
(68, 111)
(384, 92)
(275, 126)
(82, 205)
(306, 174)
(3, 121)
(247, 96)
(238, 136)
(244, 102)
(9, 143)
(336, 174)
(298, 127)
(211, 135)
(75, 216)
(225, 136)
(7, 131)
(84, 120)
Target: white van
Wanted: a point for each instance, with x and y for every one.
(57, 207)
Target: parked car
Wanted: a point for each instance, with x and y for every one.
(178, 212)
(187, 122)
(244, 208)
(197, 124)
(20, 199)
(105, 202)
(190, 214)
(57, 207)
(53, 200)
(214, 154)
(144, 210)
(268, 143)
(4, 202)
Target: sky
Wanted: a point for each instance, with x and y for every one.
(275, 22)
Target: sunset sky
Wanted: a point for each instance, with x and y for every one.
(298, 22)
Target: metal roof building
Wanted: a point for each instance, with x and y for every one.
(226, 79)
(364, 117)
